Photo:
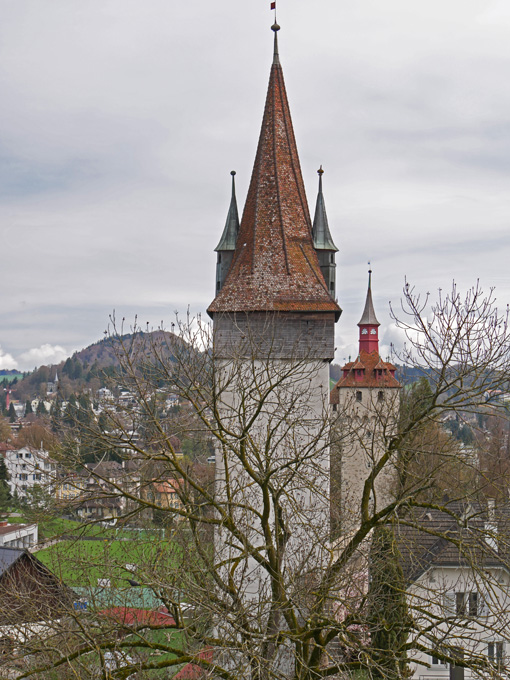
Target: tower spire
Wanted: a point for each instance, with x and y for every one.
(276, 57)
(275, 266)
(368, 324)
(227, 244)
(323, 241)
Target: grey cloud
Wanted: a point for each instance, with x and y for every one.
(120, 124)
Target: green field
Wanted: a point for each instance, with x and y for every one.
(11, 376)
(83, 563)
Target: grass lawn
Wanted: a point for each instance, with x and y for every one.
(82, 563)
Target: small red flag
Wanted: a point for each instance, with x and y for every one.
(273, 5)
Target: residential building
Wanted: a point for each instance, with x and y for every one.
(29, 467)
(18, 535)
(456, 563)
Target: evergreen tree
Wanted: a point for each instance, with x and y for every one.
(28, 407)
(389, 622)
(5, 494)
(41, 408)
(12, 413)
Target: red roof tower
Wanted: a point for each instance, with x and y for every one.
(369, 370)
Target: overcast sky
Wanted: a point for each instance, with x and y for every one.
(120, 121)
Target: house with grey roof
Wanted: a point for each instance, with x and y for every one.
(457, 567)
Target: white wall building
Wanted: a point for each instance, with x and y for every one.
(459, 592)
(29, 467)
(18, 535)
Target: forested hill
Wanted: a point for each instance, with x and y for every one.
(87, 368)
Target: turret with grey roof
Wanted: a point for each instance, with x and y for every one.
(323, 241)
(227, 244)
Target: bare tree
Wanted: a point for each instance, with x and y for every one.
(248, 579)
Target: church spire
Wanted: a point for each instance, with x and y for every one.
(227, 244)
(323, 241)
(368, 325)
(275, 266)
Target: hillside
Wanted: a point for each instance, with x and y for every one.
(88, 367)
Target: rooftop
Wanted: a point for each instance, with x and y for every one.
(275, 267)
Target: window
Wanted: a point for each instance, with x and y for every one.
(462, 604)
(380, 396)
(436, 662)
(28, 455)
(496, 652)
(359, 396)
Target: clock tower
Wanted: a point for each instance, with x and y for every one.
(365, 403)
(368, 325)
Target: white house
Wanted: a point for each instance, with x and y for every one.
(28, 467)
(458, 573)
(18, 535)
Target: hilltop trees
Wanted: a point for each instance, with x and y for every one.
(276, 605)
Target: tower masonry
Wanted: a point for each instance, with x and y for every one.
(365, 404)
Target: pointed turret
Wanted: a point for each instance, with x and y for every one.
(227, 244)
(323, 241)
(369, 370)
(275, 267)
(368, 325)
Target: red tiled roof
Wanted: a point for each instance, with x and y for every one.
(275, 266)
(372, 364)
(130, 616)
(191, 671)
(169, 486)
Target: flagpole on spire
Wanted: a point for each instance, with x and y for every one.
(273, 6)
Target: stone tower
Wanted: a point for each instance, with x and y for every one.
(365, 405)
(273, 317)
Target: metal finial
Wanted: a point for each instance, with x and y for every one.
(232, 172)
(320, 171)
(275, 27)
(369, 276)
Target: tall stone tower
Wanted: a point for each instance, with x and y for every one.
(365, 404)
(273, 318)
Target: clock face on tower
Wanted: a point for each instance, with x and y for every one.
(364, 331)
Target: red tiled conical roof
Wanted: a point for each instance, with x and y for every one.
(275, 266)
